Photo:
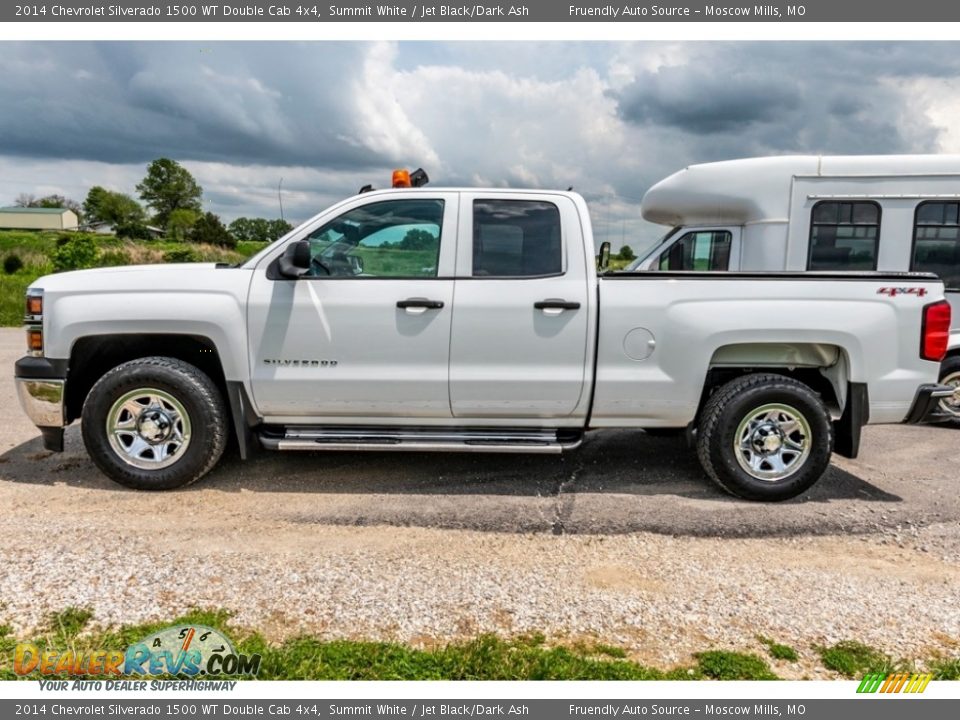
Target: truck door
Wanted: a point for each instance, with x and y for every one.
(518, 346)
(366, 334)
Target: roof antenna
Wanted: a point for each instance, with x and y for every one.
(280, 196)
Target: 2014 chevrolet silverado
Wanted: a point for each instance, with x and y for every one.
(473, 320)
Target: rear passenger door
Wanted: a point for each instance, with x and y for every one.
(518, 345)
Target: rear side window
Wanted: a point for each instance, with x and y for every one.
(844, 236)
(516, 238)
(703, 250)
(936, 241)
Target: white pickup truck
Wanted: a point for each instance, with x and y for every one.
(473, 320)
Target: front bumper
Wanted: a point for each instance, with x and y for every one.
(926, 404)
(41, 389)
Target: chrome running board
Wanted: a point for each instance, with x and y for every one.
(489, 440)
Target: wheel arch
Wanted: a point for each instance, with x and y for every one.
(92, 356)
(823, 367)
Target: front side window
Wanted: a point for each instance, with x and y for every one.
(389, 239)
(701, 250)
(844, 236)
(936, 241)
(516, 238)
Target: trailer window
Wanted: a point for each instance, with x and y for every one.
(936, 241)
(516, 238)
(702, 250)
(844, 236)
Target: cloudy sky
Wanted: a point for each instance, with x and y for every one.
(608, 119)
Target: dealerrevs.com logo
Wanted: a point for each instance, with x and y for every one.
(182, 650)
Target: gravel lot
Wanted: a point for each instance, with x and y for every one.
(624, 542)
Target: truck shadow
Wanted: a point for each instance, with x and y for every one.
(618, 482)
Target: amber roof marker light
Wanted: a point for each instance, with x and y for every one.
(406, 179)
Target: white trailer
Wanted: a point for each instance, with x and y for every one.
(841, 213)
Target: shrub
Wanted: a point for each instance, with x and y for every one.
(133, 230)
(12, 263)
(112, 258)
(181, 255)
(74, 253)
(210, 230)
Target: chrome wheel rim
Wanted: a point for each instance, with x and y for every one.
(148, 429)
(772, 442)
(951, 404)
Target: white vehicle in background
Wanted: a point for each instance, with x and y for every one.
(820, 213)
(472, 320)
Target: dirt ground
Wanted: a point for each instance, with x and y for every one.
(624, 541)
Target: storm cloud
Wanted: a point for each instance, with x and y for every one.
(606, 118)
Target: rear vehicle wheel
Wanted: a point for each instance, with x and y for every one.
(155, 424)
(765, 437)
(950, 375)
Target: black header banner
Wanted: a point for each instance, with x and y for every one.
(857, 11)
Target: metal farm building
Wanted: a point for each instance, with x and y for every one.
(27, 218)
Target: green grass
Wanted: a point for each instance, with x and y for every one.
(854, 659)
(485, 657)
(945, 669)
(778, 651)
(726, 665)
(36, 250)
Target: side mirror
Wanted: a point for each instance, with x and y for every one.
(295, 261)
(603, 260)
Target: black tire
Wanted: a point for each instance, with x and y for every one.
(729, 410)
(950, 375)
(191, 389)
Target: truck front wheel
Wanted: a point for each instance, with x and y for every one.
(765, 437)
(156, 423)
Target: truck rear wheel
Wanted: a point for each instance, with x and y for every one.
(765, 437)
(950, 375)
(155, 423)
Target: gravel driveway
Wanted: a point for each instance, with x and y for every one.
(624, 542)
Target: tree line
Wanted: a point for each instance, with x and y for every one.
(175, 199)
